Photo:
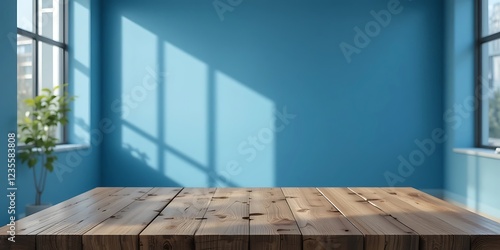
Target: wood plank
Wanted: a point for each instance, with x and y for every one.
(272, 225)
(322, 225)
(381, 230)
(176, 225)
(484, 232)
(434, 233)
(28, 227)
(226, 224)
(121, 230)
(259, 218)
(67, 233)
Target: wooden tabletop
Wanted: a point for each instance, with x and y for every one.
(254, 218)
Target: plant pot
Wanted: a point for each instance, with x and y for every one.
(31, 209)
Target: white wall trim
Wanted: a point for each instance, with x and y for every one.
(481, 152)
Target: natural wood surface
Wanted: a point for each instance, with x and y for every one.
(272, 225)
(485, 233)
(254, 218)
(434, 233)
(176, 225)
(225, 226)
(121, 230)
(381, 230)
(320, 223)
(28, 227)
(72, 228)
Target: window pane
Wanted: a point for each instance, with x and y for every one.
(50, 69)
(50, 66)
(24, 74)
(491, 93)
(50, 19)
(25, 14)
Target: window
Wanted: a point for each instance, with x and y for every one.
(41, 50)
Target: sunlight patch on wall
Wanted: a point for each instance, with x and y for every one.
(139, 101)
(81, 87)
(80, 69)
(183, 172)
(245, 133)
(81, 44)
(186, 106)
(472, 175)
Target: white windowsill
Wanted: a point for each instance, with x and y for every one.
(70, 147)
(65, 147)
(483, 152)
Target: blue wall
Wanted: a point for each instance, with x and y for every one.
(76, 170)
(469, 180)
(84, 76)
(8, 113)
(195, 96)
(192, 95)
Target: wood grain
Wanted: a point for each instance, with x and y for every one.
(28, 227)
(484, 232)
(254, 218)
(272, 225)
(322, 225)
(226, 224)
(434, 233)
(381, 230)
(67, 233)
(176, 225)
(121, 230)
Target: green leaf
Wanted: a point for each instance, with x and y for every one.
(27, 120)
(32, 162)
(39, 99)
(38, 128)
(28, 140)
(29, 102)
(64, 121)
(49, 166)
(52, 117)
(24, 156)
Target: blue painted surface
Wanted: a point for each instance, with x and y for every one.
(84, 76)
(196, 101)
(472, 181)
(194, 97)
(8, 114)
(76, 171)
(469, 180)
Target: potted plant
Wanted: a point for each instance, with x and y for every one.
(38, 133)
